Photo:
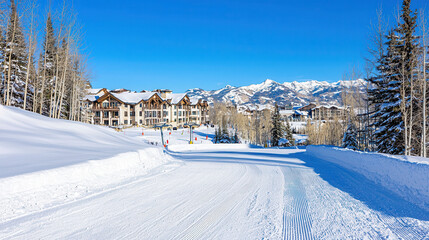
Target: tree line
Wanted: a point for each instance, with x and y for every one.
(43, 65)
(260, 127)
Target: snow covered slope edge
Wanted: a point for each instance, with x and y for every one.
(45, 162)
(409, 178)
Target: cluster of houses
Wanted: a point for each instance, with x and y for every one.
(313, 112)
(126, 108)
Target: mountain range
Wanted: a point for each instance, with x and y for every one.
(287, 93)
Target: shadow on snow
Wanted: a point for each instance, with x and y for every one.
(374, 196)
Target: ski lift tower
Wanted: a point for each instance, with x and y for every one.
(191, 125)
(161, 126)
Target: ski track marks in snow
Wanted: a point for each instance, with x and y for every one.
(237, 193)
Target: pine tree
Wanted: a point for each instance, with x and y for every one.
(350, 137)
(236, 139)
(385, 98)
(277, 130)
(393, 95)
(217, 135)
(15, 61)
(289, 135)
(47, 66)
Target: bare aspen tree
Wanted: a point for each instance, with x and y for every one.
(32, 36)
(54, 91)
(424, 43)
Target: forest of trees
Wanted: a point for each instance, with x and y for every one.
(43, 67)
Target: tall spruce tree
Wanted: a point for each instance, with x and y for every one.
(15, 60)
(391, 96)
(289, 134)
(385, 98)
(47, 66)
(350, 137)
(277, 130)
(409, 48)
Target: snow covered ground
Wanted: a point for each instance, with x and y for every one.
(200, 191)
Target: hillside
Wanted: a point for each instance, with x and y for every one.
(288, 93)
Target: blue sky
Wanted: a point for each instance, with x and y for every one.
(180, 44)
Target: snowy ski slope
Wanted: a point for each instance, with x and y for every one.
(200, 191)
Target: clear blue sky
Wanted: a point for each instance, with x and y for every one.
(177, 44)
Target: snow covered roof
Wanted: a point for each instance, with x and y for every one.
(287, 112)
(91, 98)
(175, 97)
(194, 100)
(328, 106)
(133, 97)
(93, 91)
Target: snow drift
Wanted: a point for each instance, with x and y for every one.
(44, 161)
(406, 176)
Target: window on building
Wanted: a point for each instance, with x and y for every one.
(106, 122)
(97, 113)
(175, 113)
(105, 104)
(140, 113)
(116, 113)
(106, 114)
(126, 114)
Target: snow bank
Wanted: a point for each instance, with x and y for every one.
(202, 147)
(406, 176)
(45, 162)
(31, 192)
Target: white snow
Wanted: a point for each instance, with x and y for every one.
(407, 177)
(45, 161)
(133, 97)
(67, 180)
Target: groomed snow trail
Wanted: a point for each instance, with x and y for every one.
(232, 192)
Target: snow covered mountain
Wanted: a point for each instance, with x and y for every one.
(288, 93)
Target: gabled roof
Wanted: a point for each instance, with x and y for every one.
(91, 98)
(133, 97)
(97, 91)
(175, 98)
(195, 100)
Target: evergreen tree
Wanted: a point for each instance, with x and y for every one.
(385, 98)
(47, 66)
(217, 135)
(390, 95)
(350, 137)
(277, 130)
(289, 135)
(15, 61)
(236, 139)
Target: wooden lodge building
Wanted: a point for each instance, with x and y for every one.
(123, 107)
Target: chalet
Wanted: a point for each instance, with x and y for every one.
(123, 107)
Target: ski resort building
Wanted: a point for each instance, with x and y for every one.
(123, 107)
